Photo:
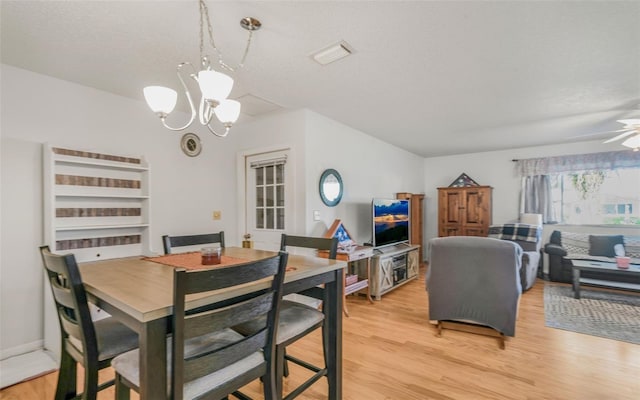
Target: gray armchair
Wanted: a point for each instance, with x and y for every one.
(476, 281)
(529, 237)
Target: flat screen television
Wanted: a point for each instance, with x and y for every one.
(390, 221)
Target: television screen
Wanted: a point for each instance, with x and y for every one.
(390, 221)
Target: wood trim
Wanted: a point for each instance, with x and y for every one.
(75, 180)
(471, 328)
(97, 212)
(95, 156)
(97, 242)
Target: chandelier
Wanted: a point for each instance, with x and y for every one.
(214, 86)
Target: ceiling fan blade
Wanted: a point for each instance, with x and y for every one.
(620, 136)
(596, 134)
(633, 121)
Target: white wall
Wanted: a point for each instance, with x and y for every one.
(38, 109)
(21, 277)
(283, 130)
(497, 169)
(369, 168)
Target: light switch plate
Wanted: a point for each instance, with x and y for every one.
(316, 215)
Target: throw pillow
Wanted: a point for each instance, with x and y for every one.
(603, 245)
(632, 246)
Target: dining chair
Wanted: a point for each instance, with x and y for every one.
(169, 242)
(298, 320)
(206, 359)
(93, 344)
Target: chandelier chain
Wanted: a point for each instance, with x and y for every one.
(204, 15)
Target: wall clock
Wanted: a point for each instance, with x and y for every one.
(190, 144)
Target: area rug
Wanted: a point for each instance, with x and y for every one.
(597, 313)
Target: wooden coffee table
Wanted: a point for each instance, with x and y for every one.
(609, 267)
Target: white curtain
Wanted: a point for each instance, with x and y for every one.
(535, 197)
(579, 162)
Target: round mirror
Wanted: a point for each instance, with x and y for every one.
(331, 187)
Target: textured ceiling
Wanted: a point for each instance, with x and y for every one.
(435, 78)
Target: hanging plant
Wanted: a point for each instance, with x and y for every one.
(588, 182)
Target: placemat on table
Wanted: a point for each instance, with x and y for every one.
(193, 260)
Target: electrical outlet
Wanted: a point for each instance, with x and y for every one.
(217, 215)
(316, 215)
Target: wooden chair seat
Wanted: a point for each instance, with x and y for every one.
(127, 364)
(206, 359)
(295, 321)
(301, 319)
(91, 344)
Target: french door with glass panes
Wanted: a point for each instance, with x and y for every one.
(268, 191)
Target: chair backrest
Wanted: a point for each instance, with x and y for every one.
(475, 279)
(76, 327)
(169, 242)
(330, 244)
(189, 324)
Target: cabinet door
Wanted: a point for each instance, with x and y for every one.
(451, 230)
(474, 207)
(413, 264)
(476, 212)
(386, 274)
(471, 231)
(464, 211)
(453, 201)
(450, 212)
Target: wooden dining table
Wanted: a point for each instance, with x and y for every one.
(139, 293)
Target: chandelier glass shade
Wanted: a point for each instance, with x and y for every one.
(214, 86)
(160, 99)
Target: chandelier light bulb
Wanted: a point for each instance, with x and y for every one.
(214, 85)
(160, 99)
(228, 111)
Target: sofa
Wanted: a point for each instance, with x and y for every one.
(475, 280)
(566, 246)
(529, 238)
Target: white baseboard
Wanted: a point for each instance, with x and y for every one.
(22, 349)
(24, 367)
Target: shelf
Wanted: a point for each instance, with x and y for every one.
(96, 227)
(70, 160)
(84, 188)
(393, 268)
(362, 284)
(398, 284)
(613, 284)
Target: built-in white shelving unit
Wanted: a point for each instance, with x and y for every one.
(96, 206)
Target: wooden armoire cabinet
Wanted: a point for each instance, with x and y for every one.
(464, 211)
(416, 202)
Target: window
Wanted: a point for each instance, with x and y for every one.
(597, 197)
(270, 196)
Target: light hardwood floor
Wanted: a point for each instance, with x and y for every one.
(391, 352)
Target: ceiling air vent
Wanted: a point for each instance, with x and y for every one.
(332, 53)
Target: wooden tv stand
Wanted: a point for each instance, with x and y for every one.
(392, 267)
